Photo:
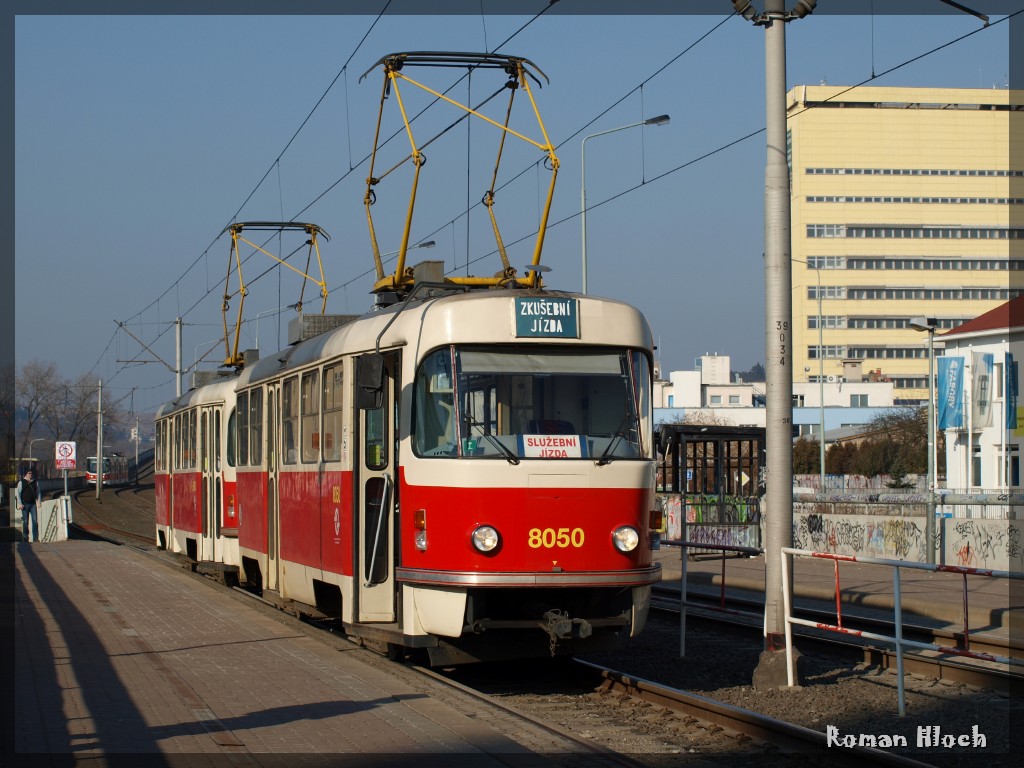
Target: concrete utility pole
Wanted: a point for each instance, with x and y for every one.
(177, 356)
(99, 441)
(771, 669)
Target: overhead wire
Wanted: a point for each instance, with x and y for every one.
(583, 127)
(309, 205)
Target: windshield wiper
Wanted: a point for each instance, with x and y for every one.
(606, 457)
(503, 449)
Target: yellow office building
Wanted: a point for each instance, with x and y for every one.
(907, 202)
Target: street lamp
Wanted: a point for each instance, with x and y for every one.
(32, 442)
(425, 244)
(659, 120)
(270, 312)
(821, 377)
(929, 325)
(195, 352)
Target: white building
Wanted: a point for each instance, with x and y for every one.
(984, 451)
(705, 396)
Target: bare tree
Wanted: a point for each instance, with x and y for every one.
(37, 386)
(72, 415)
(7, 410)
(707, 417)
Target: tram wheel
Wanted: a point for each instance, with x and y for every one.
(395, 652)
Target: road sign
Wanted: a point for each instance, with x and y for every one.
(65, 455)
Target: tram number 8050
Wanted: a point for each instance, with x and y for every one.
(549, 538)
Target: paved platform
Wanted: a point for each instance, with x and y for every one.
(995, 605)
(118, 655)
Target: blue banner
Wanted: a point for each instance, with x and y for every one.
(951, 392)
(1010, 391)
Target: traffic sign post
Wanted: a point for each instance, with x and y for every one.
(65, 459)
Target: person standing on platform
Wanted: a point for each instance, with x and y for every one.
(26, 495)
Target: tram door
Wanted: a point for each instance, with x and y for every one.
(377, 502)
(207, 478)
(273, 503)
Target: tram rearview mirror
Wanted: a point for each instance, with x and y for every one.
(370, 381)
(664, 439)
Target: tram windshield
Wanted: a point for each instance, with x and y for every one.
(519, 402)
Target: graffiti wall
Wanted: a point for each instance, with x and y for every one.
(989, 544)
(891, 532)
(730, 520)
(892, 538)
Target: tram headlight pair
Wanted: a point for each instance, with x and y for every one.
(625, 538)
(486, 539)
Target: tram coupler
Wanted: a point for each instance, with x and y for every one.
(560, 627)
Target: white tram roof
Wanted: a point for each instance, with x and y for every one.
(473, 317)
(217, 392)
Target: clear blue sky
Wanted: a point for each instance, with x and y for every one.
(138, 138)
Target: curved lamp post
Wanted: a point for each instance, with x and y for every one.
(659, 120)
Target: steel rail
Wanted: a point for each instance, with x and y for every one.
(787, 736)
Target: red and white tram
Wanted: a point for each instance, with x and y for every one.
(115, 470)
(472, 474)
(194, 485)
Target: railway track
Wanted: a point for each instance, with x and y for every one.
(742, 724)
(933, 664)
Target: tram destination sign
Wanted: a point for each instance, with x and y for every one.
(547, 317)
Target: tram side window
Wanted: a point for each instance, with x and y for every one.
(177, 441)
(232, 426)
(256, 427)
(376, 449)
(333, 381)
(243, 429)
(310, 416)
(217, 452)
(192, 440)
(289, 420)
(158, 455)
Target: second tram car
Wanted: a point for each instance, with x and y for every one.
(115, 470)
(194, 474)
(471, 474)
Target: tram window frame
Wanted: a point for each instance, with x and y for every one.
(256, 427)
(310, 416)
(333, 383)
(289, 421)
(242, 424)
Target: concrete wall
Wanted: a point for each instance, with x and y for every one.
(894, 531)
(974, 543)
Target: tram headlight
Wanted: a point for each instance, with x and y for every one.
(486, 539)
(625, 538)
